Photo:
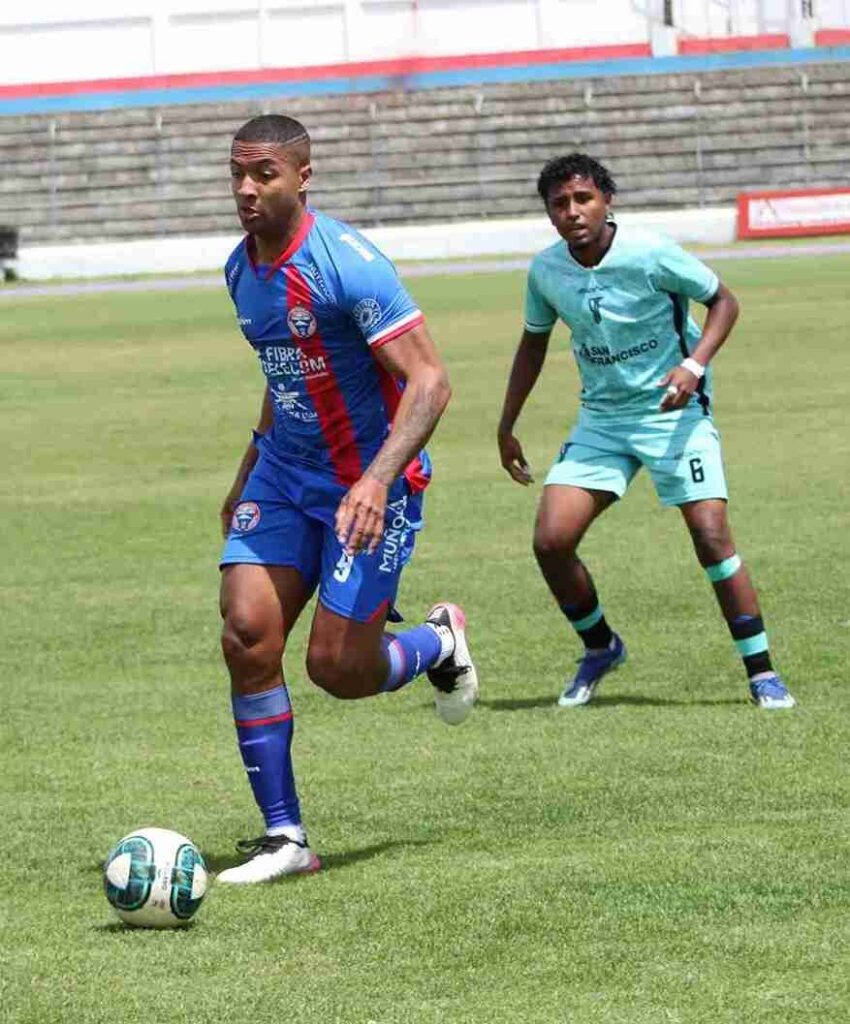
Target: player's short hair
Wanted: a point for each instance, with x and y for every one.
(574, 165)
(277, 129)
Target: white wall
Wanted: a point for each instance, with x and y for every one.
(54, 40)
(707, 225)
(51, 40)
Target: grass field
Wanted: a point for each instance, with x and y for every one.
(668, 854)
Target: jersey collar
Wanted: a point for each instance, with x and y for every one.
(605, 256)
(288, 252)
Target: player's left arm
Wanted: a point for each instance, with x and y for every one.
(413, 358)
(722, 314)
(683, 275)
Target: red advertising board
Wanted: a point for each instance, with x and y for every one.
(803, 211)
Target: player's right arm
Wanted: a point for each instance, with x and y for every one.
(540, 317)
(528, 362)
(249, 460)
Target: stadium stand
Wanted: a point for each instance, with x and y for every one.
(440, 154)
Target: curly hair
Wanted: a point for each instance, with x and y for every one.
(574, 165)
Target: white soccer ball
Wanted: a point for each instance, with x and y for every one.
(155, 878)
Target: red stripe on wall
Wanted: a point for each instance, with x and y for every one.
(832, 37)
(328, 400)
(398, 67)
(728, 44)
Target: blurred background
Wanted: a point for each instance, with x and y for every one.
(116, 116)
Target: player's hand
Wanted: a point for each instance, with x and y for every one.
(360, 516)
(513, 460)
(679, 384)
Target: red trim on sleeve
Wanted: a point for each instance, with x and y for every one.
(397, 333)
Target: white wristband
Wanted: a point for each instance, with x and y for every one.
(697, 369)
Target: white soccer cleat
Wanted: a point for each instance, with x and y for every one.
(455, 680)
(271, 857)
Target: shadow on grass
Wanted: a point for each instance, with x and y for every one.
(635, 700)
(330, 861)
(660, 702)
(122, 928)
(520, 704)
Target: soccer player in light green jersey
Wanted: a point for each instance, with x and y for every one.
(645, 401)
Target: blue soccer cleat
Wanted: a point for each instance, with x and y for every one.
(591, 668)
(770, 693)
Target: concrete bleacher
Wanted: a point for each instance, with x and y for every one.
(671, 140)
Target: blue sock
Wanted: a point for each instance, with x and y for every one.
(264, 726)
(409, 654)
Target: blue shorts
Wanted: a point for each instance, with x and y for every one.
(682, 454)
(285, 516)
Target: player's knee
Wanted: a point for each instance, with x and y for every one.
(246, 639)
(345, 679)
(550, 542)
(712, 538)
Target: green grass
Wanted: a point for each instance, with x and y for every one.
(668, 854)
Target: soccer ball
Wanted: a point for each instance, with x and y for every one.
(155, 878)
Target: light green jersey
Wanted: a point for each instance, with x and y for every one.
(628, 317)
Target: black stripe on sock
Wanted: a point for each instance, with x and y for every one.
(745, 626)
(756, 663)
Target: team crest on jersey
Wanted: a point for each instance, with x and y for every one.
(246, 515)
(301, 322)
(366, 314)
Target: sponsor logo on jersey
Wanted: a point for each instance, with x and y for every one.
(319, 281)
(246, 515)
(601, 355)
(366, 314)
(301, 322)
(289, 361)
(594, 303)
(395, 535)
(290, 404)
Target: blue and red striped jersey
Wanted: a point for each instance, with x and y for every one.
(314, 318)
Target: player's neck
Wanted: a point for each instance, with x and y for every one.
(268, 247)
(592, 254)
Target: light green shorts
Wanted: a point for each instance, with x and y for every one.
(682, 454)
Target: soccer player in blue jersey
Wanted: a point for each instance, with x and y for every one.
(328, 495)
(645, 401)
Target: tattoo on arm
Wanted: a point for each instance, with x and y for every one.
(418, 413)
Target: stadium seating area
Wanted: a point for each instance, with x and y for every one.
(672, 140)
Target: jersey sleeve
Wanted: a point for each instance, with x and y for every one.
(680, 273)
(233, 268)
(375, 298)
(540, 316)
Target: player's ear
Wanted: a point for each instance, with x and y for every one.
(306, 174)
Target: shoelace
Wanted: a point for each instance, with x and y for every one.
(266, 844)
